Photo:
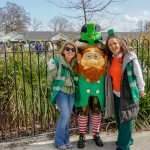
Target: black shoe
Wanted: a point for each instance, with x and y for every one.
(81, 142)
(98, 140)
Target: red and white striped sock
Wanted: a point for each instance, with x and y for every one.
(82, 122)
(96, 120)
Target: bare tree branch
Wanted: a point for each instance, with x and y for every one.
(60, 24)
(36, 24)
(88, 9)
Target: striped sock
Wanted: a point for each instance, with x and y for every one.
(96, 124)
(82, 122)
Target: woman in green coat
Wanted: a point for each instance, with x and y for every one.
(61, 83)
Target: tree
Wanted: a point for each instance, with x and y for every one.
(143, 26)
(87, 10)
(14, 17)
(36, 25)
(60, 24)
(140, 25)
(146, 25)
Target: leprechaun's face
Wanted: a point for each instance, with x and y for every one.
(91, 63)
(92, 57)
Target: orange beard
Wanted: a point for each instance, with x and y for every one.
(92, 74)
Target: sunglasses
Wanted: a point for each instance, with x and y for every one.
(72, 49)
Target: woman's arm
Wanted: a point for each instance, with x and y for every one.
(139, 77)
(51, 72)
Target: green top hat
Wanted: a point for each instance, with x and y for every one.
(90, 34)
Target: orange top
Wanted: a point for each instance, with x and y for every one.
(115, 72)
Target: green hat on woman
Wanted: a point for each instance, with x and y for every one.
(111, 32)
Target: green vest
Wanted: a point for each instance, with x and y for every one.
(132, 82)
(60, 79)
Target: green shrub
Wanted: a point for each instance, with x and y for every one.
(143, 120)
(24, 102)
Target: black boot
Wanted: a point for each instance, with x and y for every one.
(81, 142)
(97, 140)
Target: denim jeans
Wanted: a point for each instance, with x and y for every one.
(64, 103)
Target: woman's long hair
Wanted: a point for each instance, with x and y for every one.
(123, 46)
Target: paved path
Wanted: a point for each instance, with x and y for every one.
(141, 142)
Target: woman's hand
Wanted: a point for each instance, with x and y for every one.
(51, 64)
(142, 94)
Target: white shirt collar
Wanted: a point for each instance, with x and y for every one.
(120, 55)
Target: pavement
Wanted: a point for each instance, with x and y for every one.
(141, 142)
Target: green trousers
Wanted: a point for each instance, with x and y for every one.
(124, 128)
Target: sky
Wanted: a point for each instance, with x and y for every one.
(130, 12)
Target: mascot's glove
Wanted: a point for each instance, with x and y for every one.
(51, 64)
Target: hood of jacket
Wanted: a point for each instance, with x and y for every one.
(128, 58)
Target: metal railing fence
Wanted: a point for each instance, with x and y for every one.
(24, 98)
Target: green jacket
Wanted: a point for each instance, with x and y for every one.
(61, 78)
(87, 89)
(132, 82)
(129, 94)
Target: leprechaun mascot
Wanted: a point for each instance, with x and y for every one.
(91, 69)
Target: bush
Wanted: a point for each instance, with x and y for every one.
(142, 122)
